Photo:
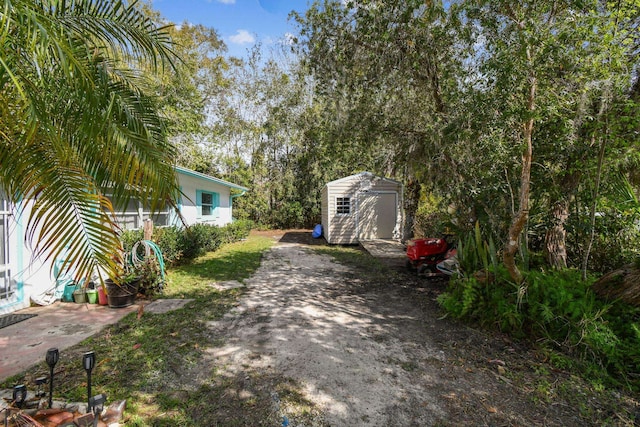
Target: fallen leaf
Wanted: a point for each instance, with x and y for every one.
(137, 346)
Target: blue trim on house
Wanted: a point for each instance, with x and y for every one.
(19, 230)
(215, 204)
(209, 178)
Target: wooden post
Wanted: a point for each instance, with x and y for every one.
(148, 233)
(148, 229)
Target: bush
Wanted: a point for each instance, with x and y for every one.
(559, 310)
(181, 245)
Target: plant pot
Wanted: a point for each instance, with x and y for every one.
(92, 296)
(79, 296)
(102, 296)
(122, 295)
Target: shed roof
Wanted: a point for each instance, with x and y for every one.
(363, 175)
(209, 178)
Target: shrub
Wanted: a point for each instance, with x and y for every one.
(181, 245)
(560, 311)
(167, 239)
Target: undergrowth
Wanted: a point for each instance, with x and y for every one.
(558, 311)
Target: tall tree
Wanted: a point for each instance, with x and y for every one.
(76, 121)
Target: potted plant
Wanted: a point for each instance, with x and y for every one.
(122, 290)
(142, 271)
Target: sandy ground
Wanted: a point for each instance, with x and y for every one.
(346, 355)
(371, 355)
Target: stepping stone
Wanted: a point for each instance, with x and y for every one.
(162, 306)
(225, 286)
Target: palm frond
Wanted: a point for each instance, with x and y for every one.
(76, 122)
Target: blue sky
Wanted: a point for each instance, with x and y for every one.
(240, 23)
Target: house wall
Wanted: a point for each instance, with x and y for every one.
(189, 204)
(32, 276)
(346, 229)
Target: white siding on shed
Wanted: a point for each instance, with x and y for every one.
(361, 206)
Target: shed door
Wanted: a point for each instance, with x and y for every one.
(377, 213)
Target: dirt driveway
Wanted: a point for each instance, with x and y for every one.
(374, 354)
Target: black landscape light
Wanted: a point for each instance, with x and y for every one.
(89, 361)
(97, 403)
(19, 395)
(53, 355)
(40, 382)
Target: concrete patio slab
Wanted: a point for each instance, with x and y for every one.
(60, 325)
(391, 252)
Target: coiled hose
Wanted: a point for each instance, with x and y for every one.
(149, 246)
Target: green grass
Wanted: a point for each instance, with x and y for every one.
(155, 362)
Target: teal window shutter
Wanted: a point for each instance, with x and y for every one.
(216, 205)
(198, 204)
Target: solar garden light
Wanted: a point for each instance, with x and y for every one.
(40, 381)
(97, 403)
(19, 395)
(52, 358)
(89, 362)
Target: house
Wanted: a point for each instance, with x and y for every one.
(205, 199)
(361, 207)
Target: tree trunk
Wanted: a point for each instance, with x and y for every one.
(555, 237)
(411, 200)
(521, 217)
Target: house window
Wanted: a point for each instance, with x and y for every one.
(133, 215)
(208, 203)
(343, 205)
(128, 217)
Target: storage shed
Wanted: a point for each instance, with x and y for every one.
(361, 207)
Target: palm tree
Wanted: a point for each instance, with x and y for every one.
(76, 121)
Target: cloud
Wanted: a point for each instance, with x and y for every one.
(242, 37)
(226, 1)
(288, 39)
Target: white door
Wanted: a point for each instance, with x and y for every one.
(377, 213)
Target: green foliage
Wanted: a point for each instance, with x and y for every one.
(151, 280)
(475, 254)
(559, 310)
(181, 245)
(95, 55)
